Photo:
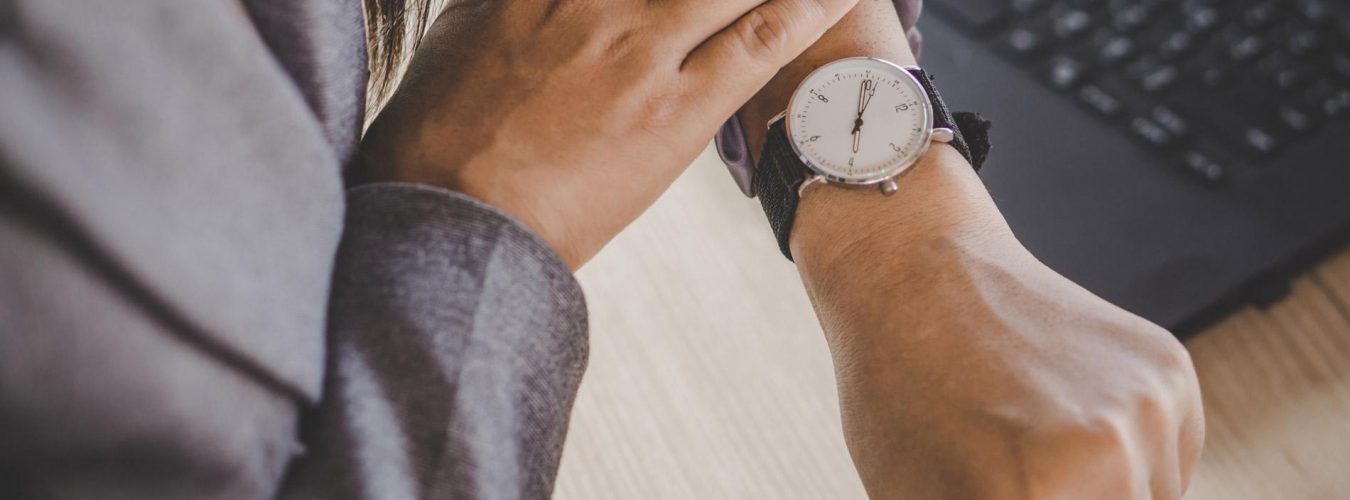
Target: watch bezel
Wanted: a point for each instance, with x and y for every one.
(880, 177)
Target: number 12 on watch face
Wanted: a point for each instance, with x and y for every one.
(859, 121)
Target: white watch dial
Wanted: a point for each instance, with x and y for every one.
(859, 120)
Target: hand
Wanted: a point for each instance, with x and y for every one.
(574, 115)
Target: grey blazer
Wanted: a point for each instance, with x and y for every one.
(193, 306)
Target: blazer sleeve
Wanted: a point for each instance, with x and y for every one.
(457, 339)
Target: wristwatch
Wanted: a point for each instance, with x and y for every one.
(856, 122)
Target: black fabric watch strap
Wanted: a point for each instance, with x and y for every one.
(777, 177)
(942, 117)
(780, 172)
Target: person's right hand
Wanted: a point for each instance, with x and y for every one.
(574, 115)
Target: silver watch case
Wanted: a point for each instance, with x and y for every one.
(886, 180)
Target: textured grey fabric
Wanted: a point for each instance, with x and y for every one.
(100, 398)
(181, 149)
(314, 42)
(171, 231)
(459, 339)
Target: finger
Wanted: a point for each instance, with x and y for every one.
(909, 11)
(730, 67)
(688, 23)
(915, 42)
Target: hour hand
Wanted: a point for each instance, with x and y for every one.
(857, 138)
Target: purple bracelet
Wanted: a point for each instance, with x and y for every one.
(730, 139)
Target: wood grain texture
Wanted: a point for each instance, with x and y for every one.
(709, 377)
(1276, 386)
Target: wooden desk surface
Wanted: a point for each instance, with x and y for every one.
(709, 377)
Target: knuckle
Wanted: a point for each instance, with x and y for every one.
(1175, 366)
(1180, 362)
(765, 32)
(1110, 431)
(1153, 407)
(623, 43)
(1060, 451)
(1166, 370)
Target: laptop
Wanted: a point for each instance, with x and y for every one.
(1179, 158)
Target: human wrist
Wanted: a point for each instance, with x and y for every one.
(942, 198)
(940, 207)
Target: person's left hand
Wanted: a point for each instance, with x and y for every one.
(573, 115)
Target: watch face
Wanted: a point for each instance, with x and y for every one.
(859, 121)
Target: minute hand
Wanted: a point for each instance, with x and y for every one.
(869, 90)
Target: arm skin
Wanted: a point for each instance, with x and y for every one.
(966, 368)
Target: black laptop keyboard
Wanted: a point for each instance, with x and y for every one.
(1213, 85)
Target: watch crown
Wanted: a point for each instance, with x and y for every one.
(889, 187)
(943, 135)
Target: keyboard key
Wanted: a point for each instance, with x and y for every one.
(1159, 79)
(1201, 19)
(1292, 78)
(1115, 50)
(1170, 120)
(1151, 133)
(1260, 140)
(1065, 72)
(1304, 43)
(1130, 18)
(1103, 103)
(1295, 119)
(1072, 23)
(1152, 76)
(1316, 11)
(1260, 16)
(1204, 165)
(1023, 42)
(1176, 45)
(1247, 48)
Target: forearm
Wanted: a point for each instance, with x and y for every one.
(966, 368)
